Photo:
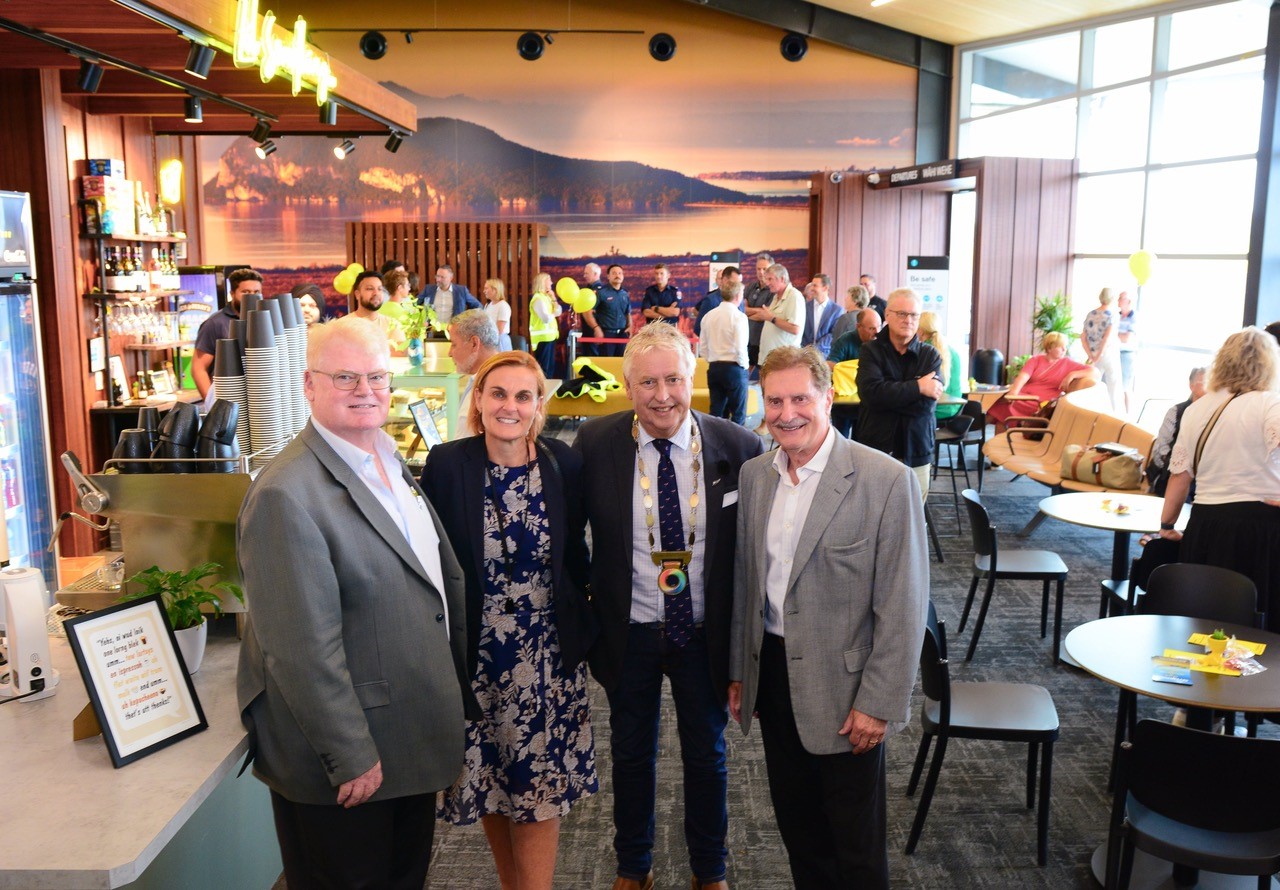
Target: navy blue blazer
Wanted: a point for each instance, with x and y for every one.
(463, 299)
(609, 452)
(454, 481)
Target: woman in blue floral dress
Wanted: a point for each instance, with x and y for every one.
(511, 504)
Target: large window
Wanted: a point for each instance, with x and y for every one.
(1162, 110)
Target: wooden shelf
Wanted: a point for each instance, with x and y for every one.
(146, 239)
(137, 295)
(157, 347)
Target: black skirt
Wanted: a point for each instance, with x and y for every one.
(1244, 537)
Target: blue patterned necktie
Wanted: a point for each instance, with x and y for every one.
(677, 607)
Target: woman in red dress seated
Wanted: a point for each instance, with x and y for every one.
(1045, 376)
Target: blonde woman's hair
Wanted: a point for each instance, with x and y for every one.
(512, 359)
(542, 283)
(1105, 297)
(499, 289)
(1052, 339)
(929, 333)
(1249, 361)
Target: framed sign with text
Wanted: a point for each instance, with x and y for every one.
(137, 682)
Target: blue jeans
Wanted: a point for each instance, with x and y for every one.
(634, 709)
(727, 382)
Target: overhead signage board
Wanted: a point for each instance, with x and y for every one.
(939, 171)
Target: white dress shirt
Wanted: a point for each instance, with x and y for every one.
(405, 505)
(791, 503)
(725, 331)
(646, 599)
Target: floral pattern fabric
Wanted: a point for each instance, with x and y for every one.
(532, 754)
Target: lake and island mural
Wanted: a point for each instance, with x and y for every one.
(646, 163)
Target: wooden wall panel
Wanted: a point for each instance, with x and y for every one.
(1057, 227)
(993, 252)
(476, 251)
(1024, 260)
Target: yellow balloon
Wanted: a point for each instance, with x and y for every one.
(585, 301)
(566, 289)
(1141, 264)
(355, 268)
(344, 281)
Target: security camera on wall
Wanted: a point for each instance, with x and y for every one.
(837, 177)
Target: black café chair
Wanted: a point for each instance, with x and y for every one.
(1198, 799)
(954, 433)
(1016, 565)
(950, 433)
(1209, 593)
(1004, 712)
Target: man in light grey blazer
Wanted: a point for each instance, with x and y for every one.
(831, 587)
(351, 679)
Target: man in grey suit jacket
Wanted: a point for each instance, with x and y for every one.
(830, 595)
(351, 680)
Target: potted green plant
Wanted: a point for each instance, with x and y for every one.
(413, 322)
(1053, 314)
(183, 595)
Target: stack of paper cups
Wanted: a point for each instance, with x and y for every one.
(230, 384)
(267, 426)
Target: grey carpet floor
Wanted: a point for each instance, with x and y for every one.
(979, 833)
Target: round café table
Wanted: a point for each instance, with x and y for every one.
(1118, 651)
(1085, 508)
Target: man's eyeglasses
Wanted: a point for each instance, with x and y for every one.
(349, 380)
(905, 316)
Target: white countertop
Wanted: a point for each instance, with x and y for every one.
(73, 821)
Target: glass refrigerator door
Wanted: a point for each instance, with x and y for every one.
(24, 445)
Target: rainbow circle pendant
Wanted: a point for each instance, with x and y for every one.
(673, 580)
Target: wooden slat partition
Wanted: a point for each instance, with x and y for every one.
(476, 250)
(1022, 247)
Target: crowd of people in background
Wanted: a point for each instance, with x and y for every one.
(447, 628)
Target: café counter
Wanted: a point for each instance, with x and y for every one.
(177, 818)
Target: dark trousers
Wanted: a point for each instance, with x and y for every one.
(607, 349)
(545, 354)
(727, 382)
(634, 708)
(383, 844)
(830, 808)
(845, 419)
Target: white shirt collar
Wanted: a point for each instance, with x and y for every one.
(681, 438)
(815, 465)
(356, 457)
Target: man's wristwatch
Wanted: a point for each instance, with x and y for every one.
(1166, 526)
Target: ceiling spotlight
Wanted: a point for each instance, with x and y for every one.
(341, 151)
(393, 142)
(90, 76)
(794, 46)
(195, 114)
(373, 44)
(530, 46)
(408, 37)
(266, 148)
(329, 113)
(549, 38)
(199, 60)
(261, 130)
(873, 178)
(662, 47)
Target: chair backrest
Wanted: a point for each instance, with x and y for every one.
(984, 536)
(1207, 592)
(1236, 785)
(935, 673)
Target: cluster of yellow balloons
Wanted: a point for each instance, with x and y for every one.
(1141, 264)
(580, 299)
(346, 279)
